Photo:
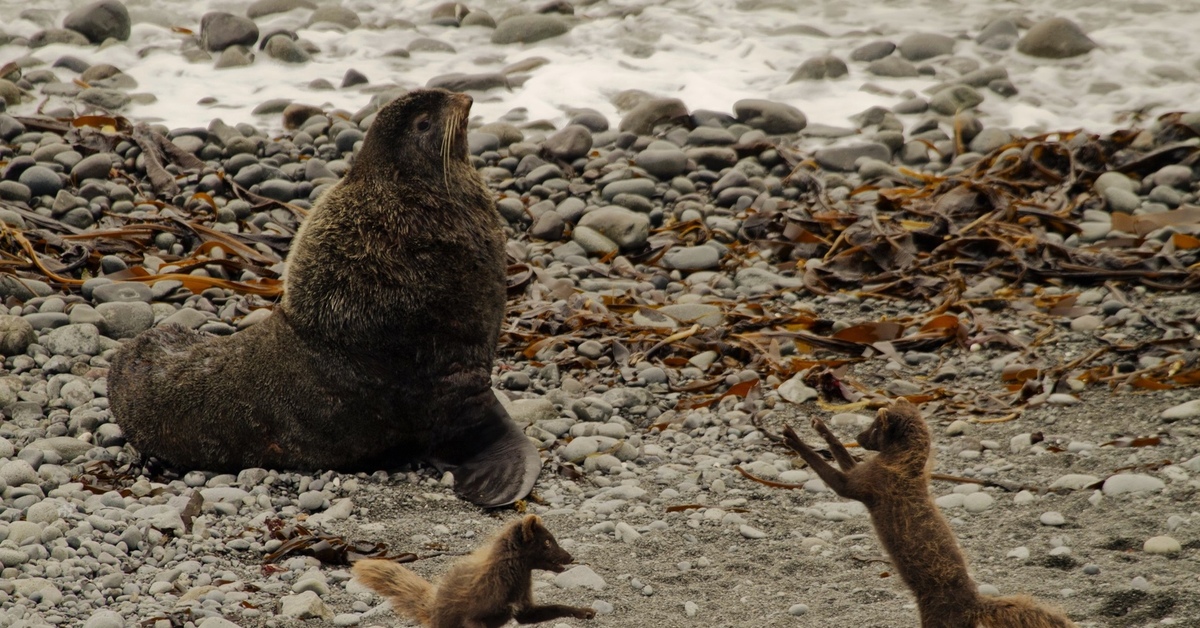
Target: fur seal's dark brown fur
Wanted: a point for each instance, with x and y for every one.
(382, 348)
(894, 486)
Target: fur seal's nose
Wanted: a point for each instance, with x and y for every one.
(463, 100)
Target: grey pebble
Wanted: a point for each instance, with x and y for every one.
(817, 68)
(692, 258)
(335, 14)
(528, 29)
(893, 67)
(99, 21)
(41, 181)
(220, 30)
(126, 319)
(873, 51)
(627, 229)
(126, 291)
(922, 46)
(954, 99)
(770, 117)
(1055, 38)
(845, 158)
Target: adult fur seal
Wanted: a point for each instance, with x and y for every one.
(382, 347)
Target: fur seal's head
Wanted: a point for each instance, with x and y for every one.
(420, 135)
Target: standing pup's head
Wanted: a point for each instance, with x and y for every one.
(896, 427)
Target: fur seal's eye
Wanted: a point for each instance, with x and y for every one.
(547, 542)
(424, 125)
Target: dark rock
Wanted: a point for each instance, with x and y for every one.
(335, 14)
(458, 82)
(999, 34)
(10, 94)
(983, 76)
(922, 46)
(23, 289)
(10, 127)
(770, 117)
(41, 181)
(234, 57)
(107, 75)
(125, 319)
(894, 67)
(16, 334)
(710, 136)
(295, 114)
(843, 158)
(1055, 38)
(449, 13)
(872, 51)
(14, 191)
(713, 157)
(94, 167)
(478, 18)
(220, 30)
(627, 229)
(590, 119)
(549, 226)
(57, 36)
(282, 47)
(640, 187)
(569, 144)
(954, 99)
(644, 117)
(479, 143)
(259, 8)
(47, 320)
(109, 99)
(692, 258)
(278, 189)
(122, 291)
(99, 21)
(429, 44)
(79, 217)
(354, 77)
(662, 163)
(529, 28)
(817, 68)
(75, 64)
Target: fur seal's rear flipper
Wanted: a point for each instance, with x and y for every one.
(494, 463)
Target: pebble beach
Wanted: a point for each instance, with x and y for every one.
(722, 217)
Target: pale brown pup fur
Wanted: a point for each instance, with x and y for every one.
(483, 590)
(894, 486)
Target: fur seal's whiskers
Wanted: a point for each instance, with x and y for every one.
(447, 147)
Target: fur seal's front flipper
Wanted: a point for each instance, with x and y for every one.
(494, 464)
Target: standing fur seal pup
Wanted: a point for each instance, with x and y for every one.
(894, 486)
(382, 348)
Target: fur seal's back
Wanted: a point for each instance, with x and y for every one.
(382, 348)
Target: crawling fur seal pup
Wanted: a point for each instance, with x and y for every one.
(382, 348)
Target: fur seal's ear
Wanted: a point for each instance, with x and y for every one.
(529, 527)
(883, 425)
